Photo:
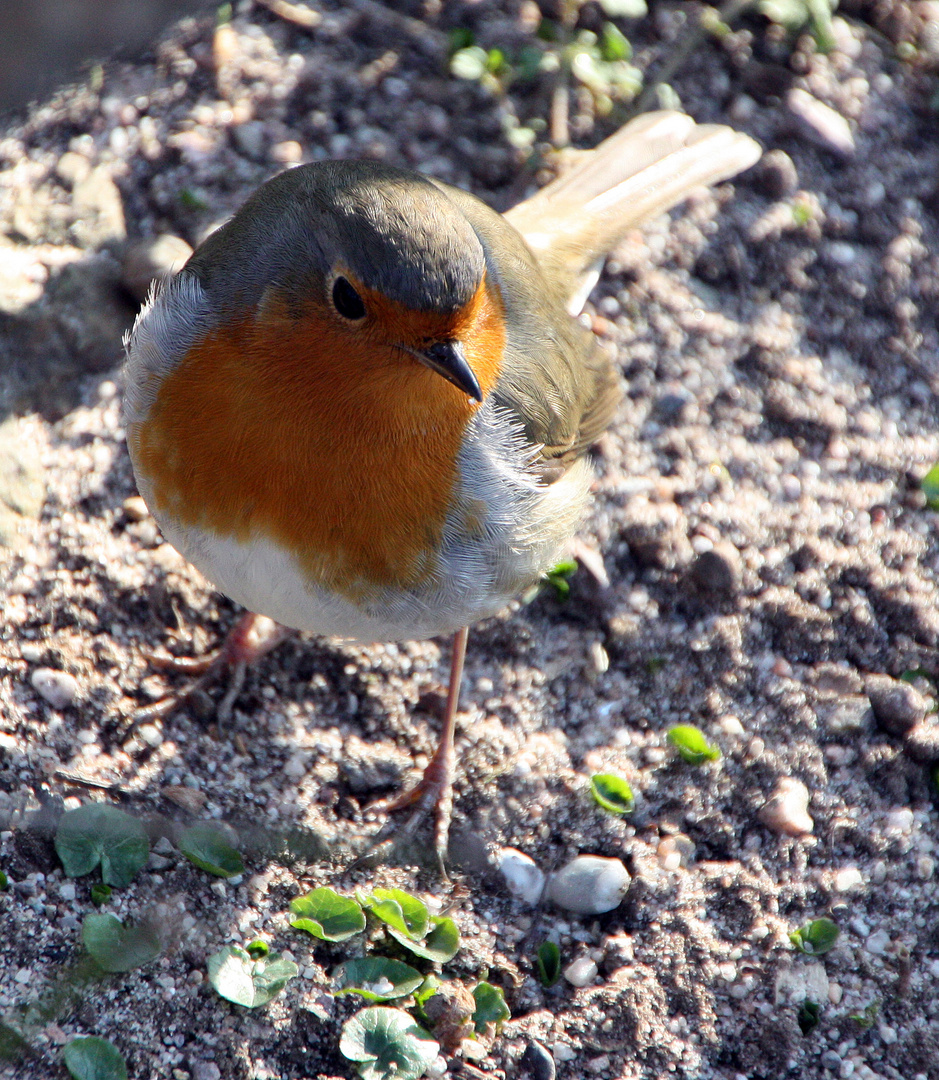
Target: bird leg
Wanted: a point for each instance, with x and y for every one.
(252, 637)
(434, 790)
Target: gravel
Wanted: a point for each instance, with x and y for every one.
(771, 558)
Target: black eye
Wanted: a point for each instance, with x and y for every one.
(346, 300)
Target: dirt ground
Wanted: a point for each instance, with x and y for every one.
(772, 568)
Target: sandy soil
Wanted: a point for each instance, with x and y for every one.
(772, 564)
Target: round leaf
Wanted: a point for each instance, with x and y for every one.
(612, 793)
(930, 487)
(238, 978)
(327, 915)
(401, 911)
(692, 745)
(377, 978)
(816, 937)
(91, 1058)
(115, 947)
(207, 846)
(386, 1043)
(98, 833)
(440, 945)
(490, 1007)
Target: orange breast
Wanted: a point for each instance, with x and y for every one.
(320, 437)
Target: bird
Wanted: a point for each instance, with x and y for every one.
(364, 406)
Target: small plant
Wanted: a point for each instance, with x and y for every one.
(100, 893)
(239, 977)
(930, 487)
(808, 1016)
(387, 1043)
(408, 921)
(612, 793)
(691, 744)
(377, 978)
(4, 881)
(490, 1007)
(795, 14)
(868, 1015)
(327, 915)
(91, 1058)
(117, 948)
(548, 961)
(98, 834)
(815, 938)
(206, 846)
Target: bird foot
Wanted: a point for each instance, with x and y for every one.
(249, 639)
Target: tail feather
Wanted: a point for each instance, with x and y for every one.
(644, 169)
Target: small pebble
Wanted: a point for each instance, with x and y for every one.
(786, 810)
(589, 885)
(537, 1063)
(523, 877)
(900, 820)
(581, 972)
(719, 569)
(820, 123)
(848, 879)
(135, 508)
(878, 943)
(58, 688)
(897, 705)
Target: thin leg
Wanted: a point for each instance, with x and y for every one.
(434, 791)
(252, 637)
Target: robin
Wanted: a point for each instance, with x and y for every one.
(363, 407)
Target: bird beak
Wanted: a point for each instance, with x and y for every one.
(448, 359)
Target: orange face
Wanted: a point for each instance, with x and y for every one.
(321, 434)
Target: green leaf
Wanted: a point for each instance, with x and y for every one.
(612, 793)
(115, 947)
(930, 487)
(327, 915)
(868, 1016)
(238, 978)
(387, 1044)
(816, 937)
(426, 990)
(490, 1007)
(548, 959)
(440, 945)
(614, 45)
(4, 880)
(808, 1016)
(377, 978)
(401, 911)
(100, 834)
(558, 577)
(206, 845)
(100, 893)
(91, 1058)
(692, 745)
(258, 949)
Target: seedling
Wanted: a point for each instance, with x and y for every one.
(490, 1007)
(612, 793)
(91, 1058)
(100, 893)
(237, 977)
(377, 978)
(930, 487)
(407, 920)
(794, 14)
(327, 915)
(117, 948)
(548, 959)
(206, 846)
(98, 834)
(816, 937)
(692, 745)
(387, 1043)
(808, 1016)
(868, 1016)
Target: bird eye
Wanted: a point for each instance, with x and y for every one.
(346, 300)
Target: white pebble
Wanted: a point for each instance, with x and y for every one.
(848, 879)
(67, 891)
(23, 976)
(835, 993)
(786, 810)
(878, 942)
(730, 725)
(57, 687)
(581, 972)
(887, 1033)
(523, 877)
(150, 734)
(589, 885)
(925, 867)
(900, 820)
